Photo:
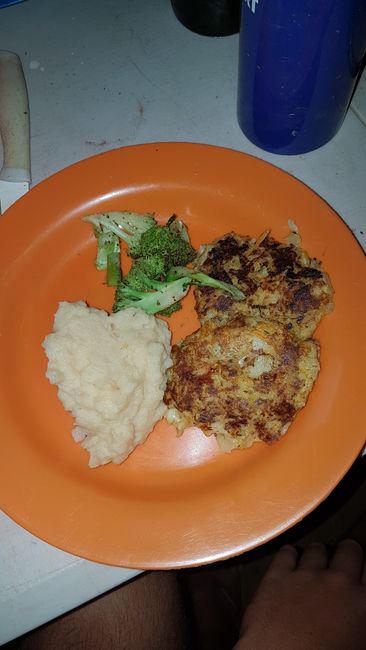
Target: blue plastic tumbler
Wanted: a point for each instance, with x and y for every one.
(299, 61)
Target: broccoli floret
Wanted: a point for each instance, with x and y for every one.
(144, 274)
(137, 279)
(159, 300)
(201, 279)
(153, 267)
(164, 242)
(128, 226)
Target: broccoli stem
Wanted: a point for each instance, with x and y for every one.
(151, 301)
(203, 280)
(113, 269)
(107, 243)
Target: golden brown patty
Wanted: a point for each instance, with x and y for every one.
(243, 381)
(280, 282)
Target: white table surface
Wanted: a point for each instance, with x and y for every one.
(107, 74)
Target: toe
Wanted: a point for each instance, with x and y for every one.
(348, 559)
(314, 557)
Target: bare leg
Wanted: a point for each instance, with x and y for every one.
(144, 614)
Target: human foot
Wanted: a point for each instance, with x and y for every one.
(311, 602)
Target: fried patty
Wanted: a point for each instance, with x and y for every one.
(242, 381)
(280, 281)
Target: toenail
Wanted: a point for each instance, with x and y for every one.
(350, 540)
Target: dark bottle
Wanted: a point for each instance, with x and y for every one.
(209, 17)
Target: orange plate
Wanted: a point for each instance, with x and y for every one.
(176, 501)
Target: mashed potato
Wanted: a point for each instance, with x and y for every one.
(111, 374)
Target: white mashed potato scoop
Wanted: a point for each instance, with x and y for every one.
(14, 131)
